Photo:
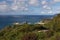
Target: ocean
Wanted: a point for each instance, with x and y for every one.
(9, 19)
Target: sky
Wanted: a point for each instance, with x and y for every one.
(29, 7)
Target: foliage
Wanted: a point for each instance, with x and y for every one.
(54, 24)
(30, 36)
(32, 31)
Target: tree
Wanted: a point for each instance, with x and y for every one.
(30, 36)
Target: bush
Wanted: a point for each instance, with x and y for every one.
(30, 36)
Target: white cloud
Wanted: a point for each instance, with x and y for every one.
(43, 2)
(57, 10)
(56, 0)
(47, 7)
(50, 12)
(3, 6)
(18, 5)
(9, 0)
(42, 12)
(22, 6)
(14, 7)
(33, 2)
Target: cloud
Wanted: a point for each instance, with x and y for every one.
(15, 6)
(56, 0)
(23, 5)
(47, 12)
(42, 12)
(4, 6)
(43, 2)
(50, 12)
(9, 0)
(57, 10)
(47, 7)
(19, 5)
(46, 4)
(33, 2)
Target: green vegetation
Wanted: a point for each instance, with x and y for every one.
(54, 24)
(50, 31)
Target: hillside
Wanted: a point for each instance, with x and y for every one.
(54, 24)
(50, 31)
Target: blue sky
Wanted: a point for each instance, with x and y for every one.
(29, 7)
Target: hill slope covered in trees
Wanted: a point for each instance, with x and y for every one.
(50, 31)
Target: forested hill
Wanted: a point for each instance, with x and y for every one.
(50, 31)
(54, 24)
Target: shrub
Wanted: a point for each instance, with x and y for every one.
(30, 36)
